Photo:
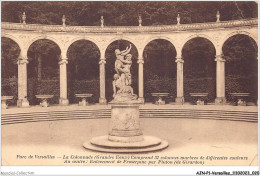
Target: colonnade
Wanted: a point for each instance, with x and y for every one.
(216, 32)
(22, 80)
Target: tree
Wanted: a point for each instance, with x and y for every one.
(126, 13)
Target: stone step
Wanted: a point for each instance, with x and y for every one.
(144, 113)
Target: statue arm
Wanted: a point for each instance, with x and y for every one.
(125, 52)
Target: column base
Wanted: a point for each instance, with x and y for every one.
(220, 101)
(179, 100)
(102, 101)
(141, 100)
(63, 102)
(23, 103)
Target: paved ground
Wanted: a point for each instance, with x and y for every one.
(186, 137)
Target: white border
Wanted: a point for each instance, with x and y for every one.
(128, 170)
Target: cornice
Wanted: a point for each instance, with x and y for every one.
(128, 29)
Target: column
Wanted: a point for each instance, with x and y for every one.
(179, 99)
(141, 79)
(22, 82)
(63, 81)
(102, 79)
(220, 80)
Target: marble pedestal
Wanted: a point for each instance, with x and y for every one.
(125, 134)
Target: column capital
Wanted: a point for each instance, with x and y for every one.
(140, 60)
(102, 61)
(179, 59)
(22, 61)
(63, 61)
(220, 58)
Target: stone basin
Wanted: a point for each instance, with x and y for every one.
(44, 96)
(159, 96)
(240, 98)
(240, 94)
(83, 95)
(3, 101)
(7, 97)
(198, 94)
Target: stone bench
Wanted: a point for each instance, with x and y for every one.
(84, 97)
(201, 97)
(3, 101)
(240, 98)
(160, 96)
(43, 98)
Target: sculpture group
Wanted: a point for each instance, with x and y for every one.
(123, 91)
(125, 134)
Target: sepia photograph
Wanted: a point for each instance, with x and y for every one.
(129, 83)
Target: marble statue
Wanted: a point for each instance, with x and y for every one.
(123, 91)
(125, 134)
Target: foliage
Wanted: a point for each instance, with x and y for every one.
(46, 87)
(82, 87)
(200, 85)
(48, 53)
(163, 85)
(83, 58)
(244, 84)
(199, 54)
(9, 87)
(126, 13)
(159, 60)
(240, 52)
(9, 56)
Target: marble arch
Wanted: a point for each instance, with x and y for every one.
(227, 37)
(120, 38)
(199, 36)
(43, 37)
(159, 38)
(69, 43)
(13, 38)
(140, 36)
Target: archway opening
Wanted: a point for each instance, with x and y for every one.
(110, 65)
(43, 70)
(159, 69)
(9, 56)
(241, 67)
(199, 69)
(83, 70)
